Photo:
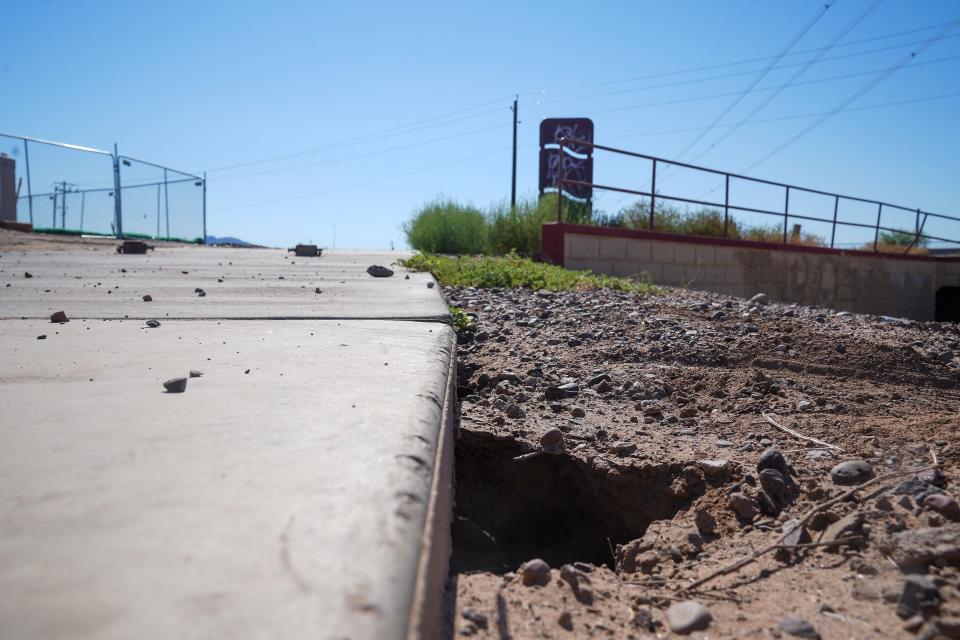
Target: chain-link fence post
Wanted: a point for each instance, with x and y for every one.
(117, 206)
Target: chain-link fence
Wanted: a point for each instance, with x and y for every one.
(63, 188)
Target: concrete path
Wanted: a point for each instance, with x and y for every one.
(299, 488)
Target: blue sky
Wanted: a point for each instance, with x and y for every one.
(305, 101)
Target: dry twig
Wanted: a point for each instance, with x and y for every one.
(739, 564)
(797, 434)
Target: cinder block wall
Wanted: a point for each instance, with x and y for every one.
(903, 286)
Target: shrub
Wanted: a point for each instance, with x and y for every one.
(445, 226)
(514, 271)
(901, 238)
(518, 230)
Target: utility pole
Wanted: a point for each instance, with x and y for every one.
(62, 189)
(513, 182)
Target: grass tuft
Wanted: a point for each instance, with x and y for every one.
(512, 271)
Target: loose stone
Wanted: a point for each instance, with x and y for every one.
(688, 616)
(175, 385)
(851, 472)
(535, 572)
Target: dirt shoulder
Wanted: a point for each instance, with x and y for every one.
(623, 441)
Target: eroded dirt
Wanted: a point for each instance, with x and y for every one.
(663, 434)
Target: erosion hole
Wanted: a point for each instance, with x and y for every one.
(559, 508)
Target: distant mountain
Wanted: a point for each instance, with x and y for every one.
(228, 240)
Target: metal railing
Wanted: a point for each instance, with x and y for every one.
(919, 221)
(93, 191)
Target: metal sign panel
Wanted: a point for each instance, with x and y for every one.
(577, 159)
(552, 129)
(574, 168)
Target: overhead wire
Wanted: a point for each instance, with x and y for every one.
(809, 63)
(855, 95)
(737, 99)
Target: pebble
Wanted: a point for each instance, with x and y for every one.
(773, 482)
(944, 505)
(759, 299)
(772, 459)
(59, 317)
(379, 271)
(535, 572)
(718, 469)
(705, 521)
(851, 472)
(153, 324)
(623, 448)
(745, 506)
(688, 616)
(148, 298)
(916, 593)
(795, 533)
(42, 336)
(195, 374)
(578, 412)
(474, 616)
(932, 476)
(565, 620)
(514, 411)
(797, 627)
(551, 438)
(175, 385)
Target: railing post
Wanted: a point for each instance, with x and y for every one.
(726, 207)
(653, 191)
(560, 180)
(876, 233)
(786, 214)
(916, 228)
(26, 159)
(833, 229)
(117, 206)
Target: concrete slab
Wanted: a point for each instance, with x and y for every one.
(239, 284)
(286, 502)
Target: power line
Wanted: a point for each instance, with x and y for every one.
(761, 59)
(793, 41)
(369, 182)
(791, 117)
(770, 88)
(793, 79)
(365, 155)
(393, 131)
(798, 116)
(736, 74)
(856, 94)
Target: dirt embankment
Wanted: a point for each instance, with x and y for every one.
(615, 449)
